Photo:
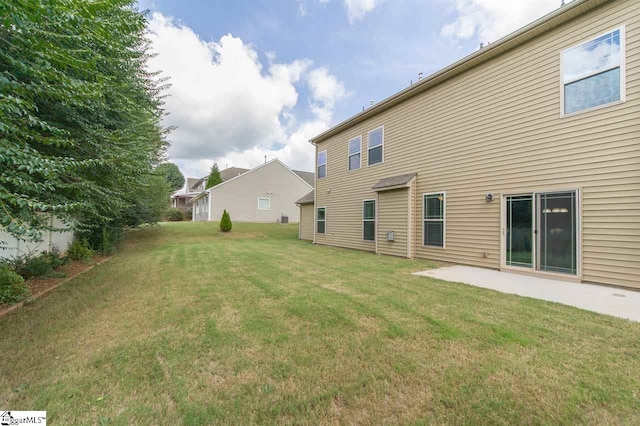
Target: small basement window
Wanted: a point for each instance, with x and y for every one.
(322, 164)
(593, 73)
(375, 142)
(355, 153)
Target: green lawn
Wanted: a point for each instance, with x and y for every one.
(186, 325)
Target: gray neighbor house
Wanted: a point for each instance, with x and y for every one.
(267, 193)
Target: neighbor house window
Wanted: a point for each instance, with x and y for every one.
(264, 204)
(375, 142)
(593, 73)
(321, 219)
(434, 219)
(322, 164)
(355, 153)
(369, 220)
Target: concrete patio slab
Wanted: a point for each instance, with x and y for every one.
(605, 300)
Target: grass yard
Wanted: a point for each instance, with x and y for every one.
(186, 325)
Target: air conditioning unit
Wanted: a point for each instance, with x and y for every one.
(284, 219)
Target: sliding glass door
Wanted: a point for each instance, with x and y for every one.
(519, 242)
(557, 230)
(541, 232)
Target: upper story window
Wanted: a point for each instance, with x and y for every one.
(322, 164)
(355, 153)
(375, 142)
(593, 73)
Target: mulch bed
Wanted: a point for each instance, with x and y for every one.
(41, 286)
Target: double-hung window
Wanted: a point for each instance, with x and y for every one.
(355, 153)
(375, 143)
(322, 164)
(264, 203)
(321, 220)
(433, 231)
(593, 73)
(369, 220)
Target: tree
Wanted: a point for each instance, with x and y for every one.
(214, 176)
(225, 222)
(80, 115)
(172, 175)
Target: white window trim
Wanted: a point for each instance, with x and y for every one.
(315, 224)
(444, 220)
(622, 66)
(381, 145)
(326, 168)
(374, 220)
(264, 198)
(349, 155)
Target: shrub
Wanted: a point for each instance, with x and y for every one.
(173, 215)
(79, 250)
(32, 266)
(12, 286)
(225, 222)
(54, 258)
(188, 214)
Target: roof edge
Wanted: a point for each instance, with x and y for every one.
(506, 43)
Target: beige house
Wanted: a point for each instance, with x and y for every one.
(523, 156)
(266, 193)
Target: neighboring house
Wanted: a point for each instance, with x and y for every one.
(197, 186)
(523, 156)
(306, 225)
(263, 194)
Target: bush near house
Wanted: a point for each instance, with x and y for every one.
(225, 222)
(188, 214)
(173, 215)
(12, 286)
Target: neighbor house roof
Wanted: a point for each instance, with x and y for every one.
(519, 37)
(307, 199)
(400, 181)
(308, 177)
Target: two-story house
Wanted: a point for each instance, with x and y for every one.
(523, 156)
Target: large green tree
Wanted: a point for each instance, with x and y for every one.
(214, 177)
(80, 114)
(172, 175)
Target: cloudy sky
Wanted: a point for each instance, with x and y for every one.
(256, 78)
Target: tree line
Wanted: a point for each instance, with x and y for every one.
(80, 119)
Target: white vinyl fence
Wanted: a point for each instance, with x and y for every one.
(11, 247)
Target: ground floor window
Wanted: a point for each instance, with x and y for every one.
(369, 220)
(321, 219)
(264, 204)
(433, 231)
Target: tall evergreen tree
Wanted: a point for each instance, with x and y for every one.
(80, 114)
(214, 176)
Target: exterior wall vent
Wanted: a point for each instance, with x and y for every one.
(391, 236)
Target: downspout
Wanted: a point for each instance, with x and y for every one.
(315, 190)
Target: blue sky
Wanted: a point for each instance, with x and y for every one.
(255, 78)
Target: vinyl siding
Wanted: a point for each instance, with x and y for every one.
(393, 215)
(239, 196)
(497, 129)
(307, 218)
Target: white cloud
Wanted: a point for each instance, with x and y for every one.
(229, 108)
(357, 9)
(489, 20)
